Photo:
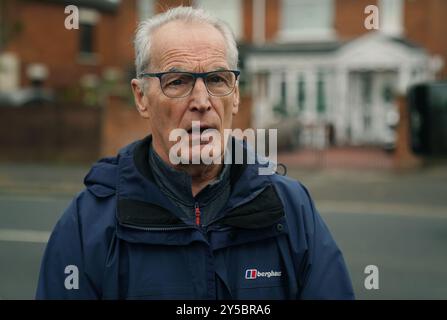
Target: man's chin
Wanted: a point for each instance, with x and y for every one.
(201, 156)
(196, 151)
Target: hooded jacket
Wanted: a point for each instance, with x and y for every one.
(122, 238)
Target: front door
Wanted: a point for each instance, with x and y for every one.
(371, 99)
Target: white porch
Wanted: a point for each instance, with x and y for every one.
(352, 87)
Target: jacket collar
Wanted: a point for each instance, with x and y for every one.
(141, 161)
(253, 202)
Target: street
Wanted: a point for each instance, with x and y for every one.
(395, 221)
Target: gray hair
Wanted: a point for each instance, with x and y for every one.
(142, 41)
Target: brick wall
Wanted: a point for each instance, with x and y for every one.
(247, 20)
(242, 119)
(49, 133)
(272, 23)
(121, 125)
(44, 39)
(425, 24)
(348, 20)
(350, 16)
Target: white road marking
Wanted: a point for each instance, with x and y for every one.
(326, 207)
(35, 198)
(22, 235)
(388, 209)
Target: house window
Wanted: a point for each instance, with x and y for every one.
(281, 108)
(321, 96)
(391, 17)
(88, 19)
(229, 11)
(145, 9)
(367, 96)
(307, 20)
(366, 83)
(283, 92)
(301, 93)
(86, 37)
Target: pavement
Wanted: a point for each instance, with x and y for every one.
(361, 158)
(394, 220)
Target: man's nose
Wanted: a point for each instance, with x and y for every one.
(200, 99)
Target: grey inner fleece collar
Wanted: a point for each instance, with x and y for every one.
(177, 184)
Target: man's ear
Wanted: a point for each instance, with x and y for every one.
(140, 98)
(236, 101)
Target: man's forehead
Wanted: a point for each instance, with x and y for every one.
(186, 28)
(188, 41)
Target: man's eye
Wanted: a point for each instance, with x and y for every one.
(216, 79)
(176, 82)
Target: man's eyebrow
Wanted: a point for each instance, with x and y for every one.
(175, 69)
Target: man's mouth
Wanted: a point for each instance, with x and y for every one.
(197, 133)
(200, 129)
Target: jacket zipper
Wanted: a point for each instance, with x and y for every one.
(197, 213)
(167, 228)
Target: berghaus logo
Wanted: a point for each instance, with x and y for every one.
(251, 274)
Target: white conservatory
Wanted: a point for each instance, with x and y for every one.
(350, 87)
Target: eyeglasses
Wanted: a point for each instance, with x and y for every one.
(178, 84)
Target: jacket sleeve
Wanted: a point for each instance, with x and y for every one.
(62, 273)
(325, 275)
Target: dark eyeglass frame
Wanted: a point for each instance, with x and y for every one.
(195, 76)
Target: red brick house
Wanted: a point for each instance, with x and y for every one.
(37, 35)
(291, 51)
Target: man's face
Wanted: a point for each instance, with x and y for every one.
(191, 47)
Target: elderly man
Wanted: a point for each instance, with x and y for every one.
(152, 228)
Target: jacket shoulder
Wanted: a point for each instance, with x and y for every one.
(102, 178)
(298, 204)
(81, 240)
(288, 187)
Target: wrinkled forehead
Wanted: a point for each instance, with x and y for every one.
(187, 44)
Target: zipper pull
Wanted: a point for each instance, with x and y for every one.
(197, 211)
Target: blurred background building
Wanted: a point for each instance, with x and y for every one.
(337, 92)
(310, 67)
(316, 62)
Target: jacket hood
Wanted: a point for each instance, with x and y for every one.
(129, 172)
(101, 180)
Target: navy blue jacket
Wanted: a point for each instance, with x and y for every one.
(127, 240)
